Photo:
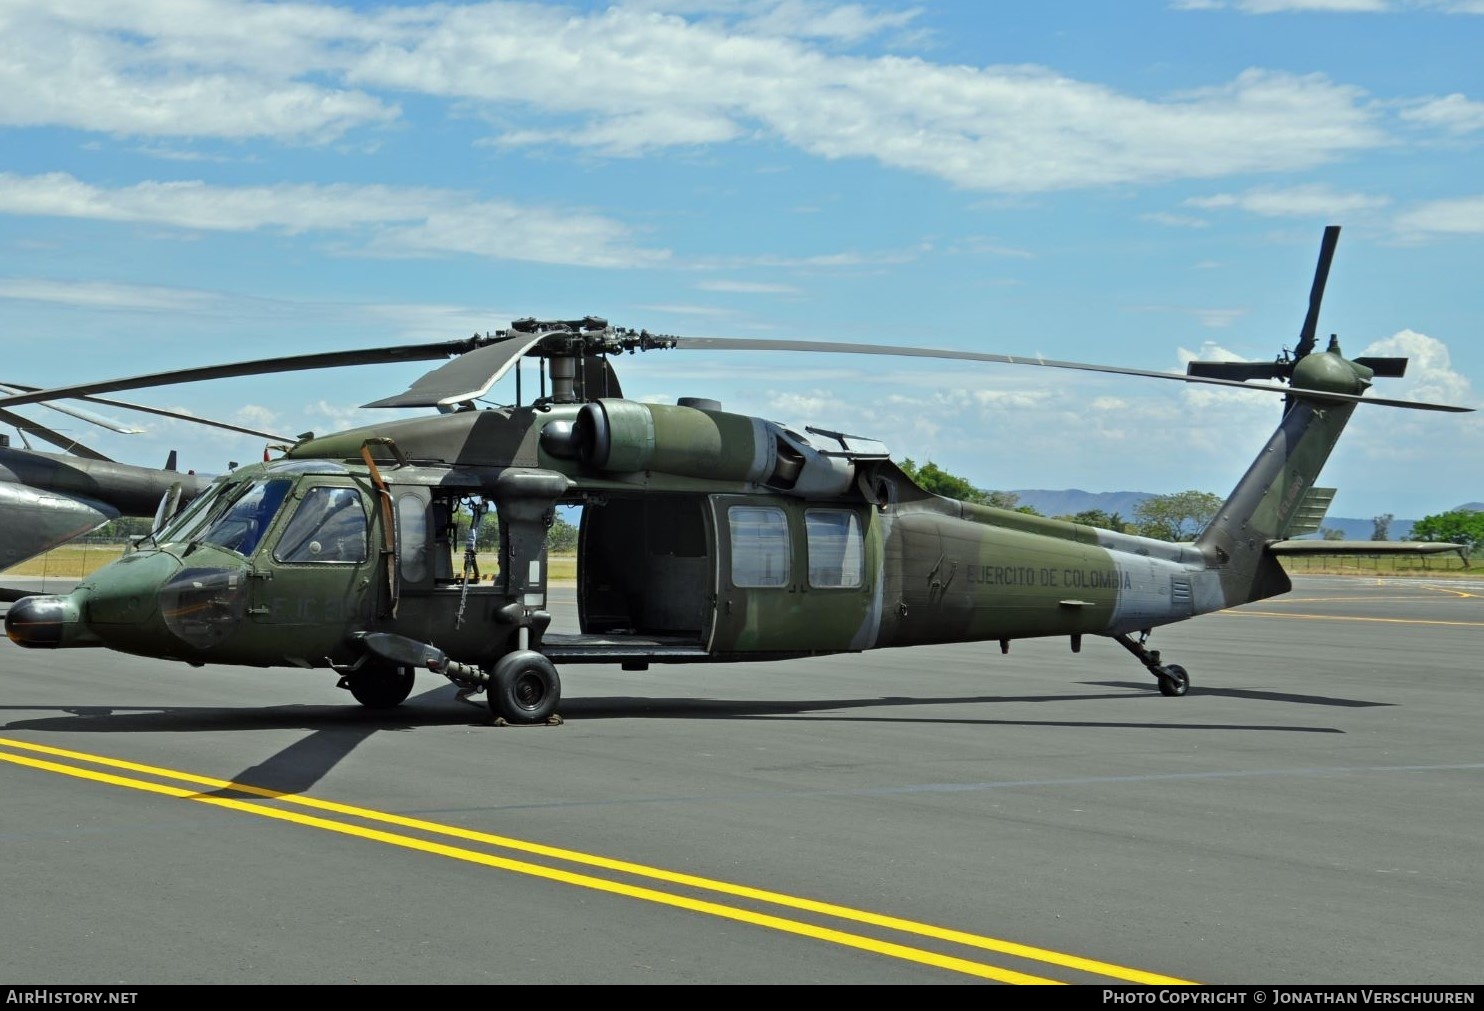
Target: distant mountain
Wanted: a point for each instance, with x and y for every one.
(1074, 500)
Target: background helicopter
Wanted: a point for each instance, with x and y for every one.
(49, 498)
(705, 535)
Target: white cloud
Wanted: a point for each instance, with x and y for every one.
(1430, 376)
(201, 68)
(1176, 220)
(1287, 6)
(622, 81)
(1454, 113)
(105, 295)
(1461, 216)
(385, 220)
(1293, 201)
(748, 287)
(1329, 6)
(1215, 317)
(843, 23)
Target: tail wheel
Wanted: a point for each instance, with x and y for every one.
(524, 688)
(1173, 680)
(381, 687)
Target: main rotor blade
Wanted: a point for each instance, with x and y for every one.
(745, 344)
(1316, 292)
(467, 377)
(263, 366)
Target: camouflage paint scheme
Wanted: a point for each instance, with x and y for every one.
(657, 556)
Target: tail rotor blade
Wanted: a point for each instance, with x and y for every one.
(1316, 293)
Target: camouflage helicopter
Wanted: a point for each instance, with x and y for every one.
(705, 535)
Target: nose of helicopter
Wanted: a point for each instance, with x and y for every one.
(44, 621)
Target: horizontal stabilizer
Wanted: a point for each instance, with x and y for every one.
(1312, 547)
(1311, 512)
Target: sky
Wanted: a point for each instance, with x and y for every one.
(1139, 184)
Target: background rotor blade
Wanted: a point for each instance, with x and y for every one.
(1316, 292)
(28, 427)
(160, 411)
(76, 412)
(264, 366)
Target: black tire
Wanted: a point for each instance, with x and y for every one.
(1174, 681)
(381, 687)
(524, 688)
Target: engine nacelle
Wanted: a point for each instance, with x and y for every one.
(626, 436)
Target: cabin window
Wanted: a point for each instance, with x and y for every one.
(242, 526)
(412, 537)
(836, 549)
(760, 548)
(328, 526)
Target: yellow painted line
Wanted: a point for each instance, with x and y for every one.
(1351, 618)
(586, 881)
(1449, 589)
(1376, 599)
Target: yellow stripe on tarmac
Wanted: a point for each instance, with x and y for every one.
(1354, 617)
(582, 880)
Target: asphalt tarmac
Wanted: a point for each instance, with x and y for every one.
(1308, 814)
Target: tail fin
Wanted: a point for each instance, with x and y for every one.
(1277, 497)
(1270, 502)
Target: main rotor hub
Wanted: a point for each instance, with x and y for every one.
(564, 343)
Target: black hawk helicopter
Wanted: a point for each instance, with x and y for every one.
(705, 535)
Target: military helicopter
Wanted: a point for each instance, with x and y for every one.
(705, 535)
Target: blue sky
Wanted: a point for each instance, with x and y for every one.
(187, 182)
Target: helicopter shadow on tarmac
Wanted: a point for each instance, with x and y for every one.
(336, 731)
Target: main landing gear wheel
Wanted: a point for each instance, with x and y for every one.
(1173, 680)
(524, 688)
(381, 687)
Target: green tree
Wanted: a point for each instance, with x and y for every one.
(1460, 526)
(124, 528)
(1331, 534)
(931, 477)
(562, 536)
(1100, 518)
(1177, 517)
(1381, 527)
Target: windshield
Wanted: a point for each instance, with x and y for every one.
(189, 520)
(241, 527)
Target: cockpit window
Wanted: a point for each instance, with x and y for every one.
(189, 521)
(328, 526)
(241, 527)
